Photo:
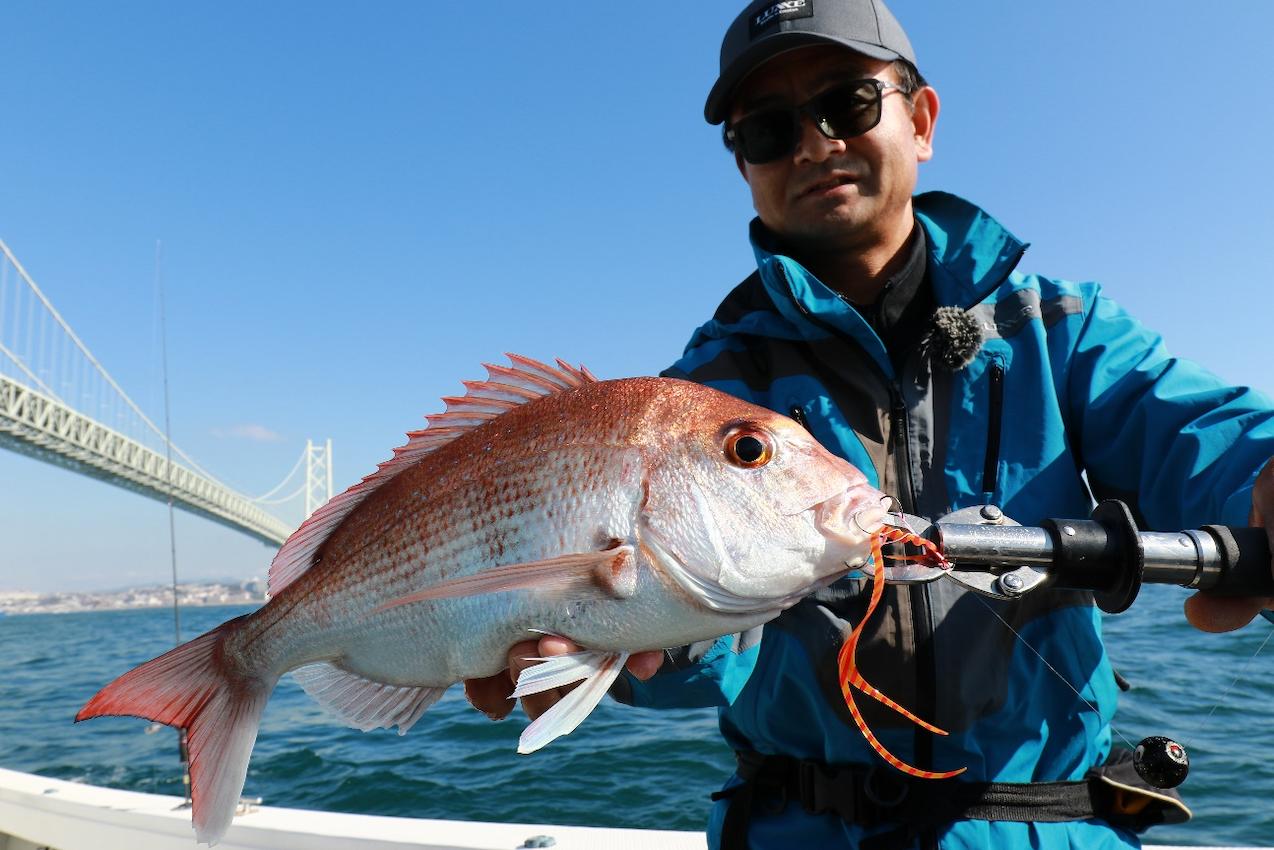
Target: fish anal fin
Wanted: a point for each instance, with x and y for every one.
(364, 703)
(506, 387)
(613, 571)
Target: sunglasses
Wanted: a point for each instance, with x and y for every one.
(841, 112)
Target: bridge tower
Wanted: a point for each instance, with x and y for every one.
(318, 475)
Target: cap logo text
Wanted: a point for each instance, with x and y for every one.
(781, 10)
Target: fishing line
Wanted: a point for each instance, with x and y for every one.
(183, 742)
(1239, 675)
(1055, 671)
(1220, 700)
(168, 438)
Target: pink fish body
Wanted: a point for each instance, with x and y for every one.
(624, 515)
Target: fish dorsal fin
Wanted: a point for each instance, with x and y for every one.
(505, 388)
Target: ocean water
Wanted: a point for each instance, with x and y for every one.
(622, 767)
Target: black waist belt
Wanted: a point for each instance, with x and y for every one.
(870, 796)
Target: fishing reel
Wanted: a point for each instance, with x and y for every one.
(992, 555)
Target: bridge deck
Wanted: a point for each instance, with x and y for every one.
(37, 425)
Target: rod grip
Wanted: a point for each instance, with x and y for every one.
(1245, 561)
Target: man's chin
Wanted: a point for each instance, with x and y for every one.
(842, 225)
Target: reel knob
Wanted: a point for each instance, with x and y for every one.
(1161, 761)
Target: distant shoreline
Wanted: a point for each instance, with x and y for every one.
(201, 595)
(58, 613)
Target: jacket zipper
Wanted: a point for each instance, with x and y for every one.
(995, 414)
(918, 596)
(902, 457)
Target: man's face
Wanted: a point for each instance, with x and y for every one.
(827, 193)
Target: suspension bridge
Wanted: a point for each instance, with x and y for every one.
(59, 404)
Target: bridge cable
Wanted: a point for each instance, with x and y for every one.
(289, 497)
(86, 385)
(264, 496)
(18, 362)
(57, 317)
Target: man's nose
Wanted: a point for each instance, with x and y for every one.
(813, 146)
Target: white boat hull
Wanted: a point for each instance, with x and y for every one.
(37, 812)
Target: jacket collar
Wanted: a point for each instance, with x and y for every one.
(970, 252)
(970, 255)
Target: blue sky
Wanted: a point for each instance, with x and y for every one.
(359, 203)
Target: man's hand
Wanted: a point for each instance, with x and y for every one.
(1227, 613)
(493, 695)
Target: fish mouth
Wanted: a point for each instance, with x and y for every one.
(850, 518)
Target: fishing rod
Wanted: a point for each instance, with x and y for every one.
(1107, 554)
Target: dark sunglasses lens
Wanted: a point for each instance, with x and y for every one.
(766, 136)
(848, 111)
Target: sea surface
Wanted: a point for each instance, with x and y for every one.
(623, 766)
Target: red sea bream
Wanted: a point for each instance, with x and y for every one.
(625, 515)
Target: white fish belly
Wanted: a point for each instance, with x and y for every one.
(569, 501)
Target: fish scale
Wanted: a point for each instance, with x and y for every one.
(625, 515)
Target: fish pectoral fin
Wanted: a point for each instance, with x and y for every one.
(613, 571)
(597, 669)
(365, 703)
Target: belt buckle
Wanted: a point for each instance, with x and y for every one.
(808, 774)
(888, 795)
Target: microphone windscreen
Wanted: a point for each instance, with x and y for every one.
(954, 338)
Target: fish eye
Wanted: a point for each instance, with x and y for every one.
(748, 449)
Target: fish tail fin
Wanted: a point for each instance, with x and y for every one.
(189, 687)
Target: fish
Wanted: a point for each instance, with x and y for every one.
(625, 515)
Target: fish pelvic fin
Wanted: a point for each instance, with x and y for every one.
(189, 688)
(598, 671)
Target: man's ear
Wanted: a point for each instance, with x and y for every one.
(924, 117)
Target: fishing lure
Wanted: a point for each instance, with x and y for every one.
(848, 667)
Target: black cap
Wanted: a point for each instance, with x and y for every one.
(767, 28)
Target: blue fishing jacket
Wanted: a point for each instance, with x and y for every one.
(1084, 389)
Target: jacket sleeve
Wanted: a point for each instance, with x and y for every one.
(705, 674)
(1177, 443)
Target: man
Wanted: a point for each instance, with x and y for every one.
(860, 323)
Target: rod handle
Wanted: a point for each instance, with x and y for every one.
(1245, 561)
